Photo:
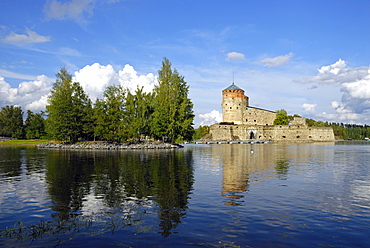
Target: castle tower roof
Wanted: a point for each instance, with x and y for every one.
(233, 87)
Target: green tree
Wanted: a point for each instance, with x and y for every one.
(109, 113)
(173, 116)
(34, 125)
(281, 117)
(68, 109)
(11, 122)
(137, 114)
(200, 132)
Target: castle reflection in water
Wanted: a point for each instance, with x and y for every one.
(244, 164)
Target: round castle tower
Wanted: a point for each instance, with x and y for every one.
(234, 103)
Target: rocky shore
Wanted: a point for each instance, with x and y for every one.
(109, 146)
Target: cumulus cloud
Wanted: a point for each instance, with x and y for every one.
(30, 95)
(29, 37)
(95, 78)
(33, 94)
(129, 79)
(234, 56)
(75, 10)
(309, 108)
(277, 61)
(210, 118)
(355, 87)
(336, 73)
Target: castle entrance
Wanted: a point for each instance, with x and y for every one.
(251, 135)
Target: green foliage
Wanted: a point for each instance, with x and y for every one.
(173, 116)
(166, 113)
(11, 122)
(138, 112)
(281, 117)
(109, 114)
(200, 132)
(69, 109)
(34, 125)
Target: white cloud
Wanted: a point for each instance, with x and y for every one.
(277, 61)
(336, 73)
(234, 56)
(10, 74)
(74, 10)
(30, 37)
(33, 94)
(70, 52)
(30, 95)
(210, 118)
(355, 87)
(128, 78)
(30, 87)
(309, 108)
(95, 78)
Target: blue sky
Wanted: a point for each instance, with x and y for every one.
(308, 57)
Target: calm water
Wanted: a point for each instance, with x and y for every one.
(261, 195)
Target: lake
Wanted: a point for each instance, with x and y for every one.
(226, 195)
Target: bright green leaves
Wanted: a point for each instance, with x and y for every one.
(281, 117)
(11, 122)
(68, 110)
(173, 116)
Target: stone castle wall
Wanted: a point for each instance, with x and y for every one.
(256, 116)
(289, 133)
(243, 122)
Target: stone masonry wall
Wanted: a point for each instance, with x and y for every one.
(256, 116)
(289, 133)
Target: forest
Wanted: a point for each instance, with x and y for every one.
(164, 114)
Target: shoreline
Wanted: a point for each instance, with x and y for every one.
(108, 146)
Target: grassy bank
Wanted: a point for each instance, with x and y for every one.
(22, 142)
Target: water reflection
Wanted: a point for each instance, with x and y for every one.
(10, 162)
(244, 163)
(116, 177)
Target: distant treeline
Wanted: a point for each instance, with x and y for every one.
(164, 114)
(344, 131)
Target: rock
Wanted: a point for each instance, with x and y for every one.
(109, 146)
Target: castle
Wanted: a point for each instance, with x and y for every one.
(242, 122)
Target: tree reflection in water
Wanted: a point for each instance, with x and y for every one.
(123, 181)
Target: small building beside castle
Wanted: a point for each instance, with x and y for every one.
(243, 122)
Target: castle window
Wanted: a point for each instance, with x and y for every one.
(231, 107)
(246, 120)
(309, 137)
(254, 120)
(237, 107)
(298, 136)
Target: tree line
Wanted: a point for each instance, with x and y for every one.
(165, 114)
